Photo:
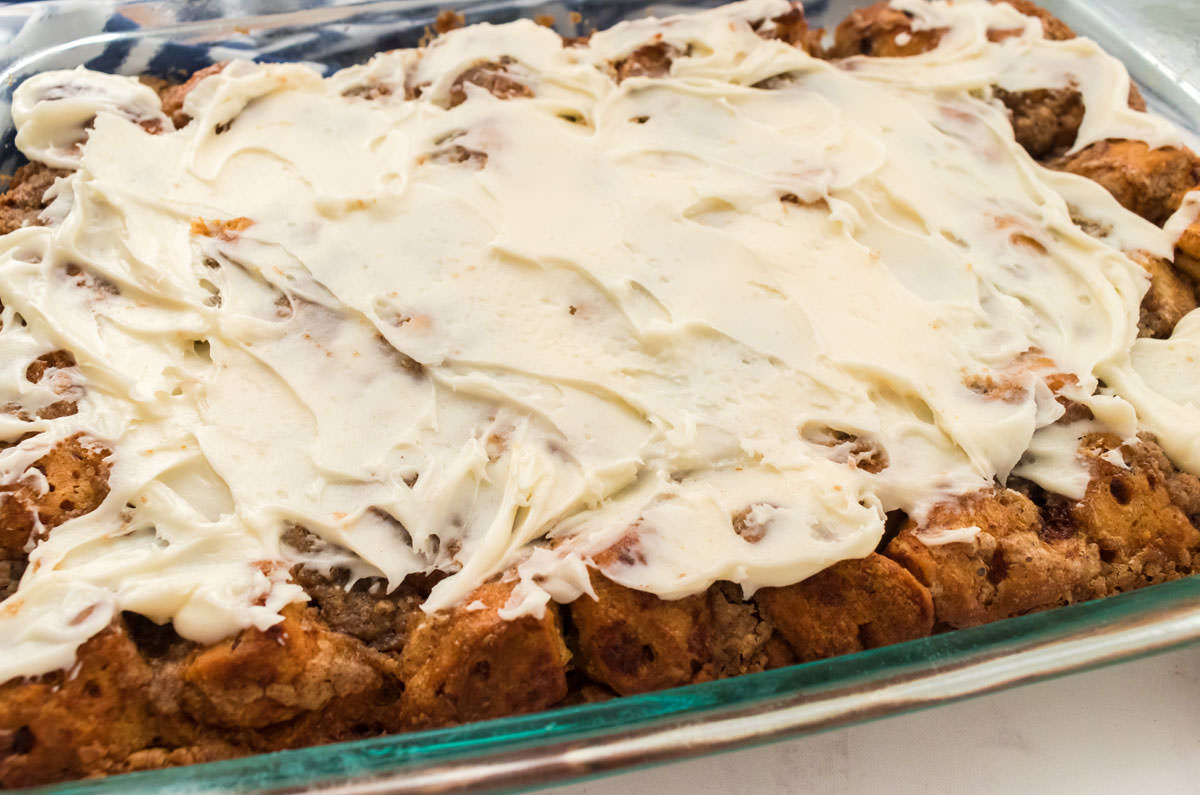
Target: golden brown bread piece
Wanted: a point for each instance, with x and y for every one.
(295, 683)
(136, 702)
(1138, 516)
(1149, 182)
(69, 724)
(851, 606)
(15, 524)
(654, 58)
(634, 642)
(793, 28)
(492, 76)
(469, 664)
(1187, 256)
(172, 95)
(874, 30)
(1037, 550)
(1187, 252)
(881, 31)
(1172, 295)
(1012, 567)
(76, 472)
(22, 203)
(1045, 120)
(302, 682)
(17, 514)
(649, 60)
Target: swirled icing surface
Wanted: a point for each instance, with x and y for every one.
(687, 328)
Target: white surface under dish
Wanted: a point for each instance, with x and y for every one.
(1126, 728)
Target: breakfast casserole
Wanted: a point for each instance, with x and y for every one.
(515, 370)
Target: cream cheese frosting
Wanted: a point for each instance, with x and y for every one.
(683, 328)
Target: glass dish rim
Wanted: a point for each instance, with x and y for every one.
(585, 740)
(591, 739)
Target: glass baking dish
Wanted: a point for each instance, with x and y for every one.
(175, 37)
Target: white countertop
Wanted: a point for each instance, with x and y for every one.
(1132, 727)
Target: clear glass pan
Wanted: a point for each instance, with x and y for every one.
(1155, 39)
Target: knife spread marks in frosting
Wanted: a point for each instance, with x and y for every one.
(685, 328)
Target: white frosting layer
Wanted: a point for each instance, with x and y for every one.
(711, 330)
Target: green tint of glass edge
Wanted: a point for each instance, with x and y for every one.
(362, 759)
